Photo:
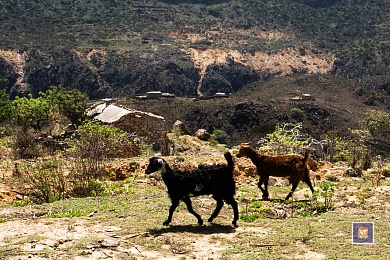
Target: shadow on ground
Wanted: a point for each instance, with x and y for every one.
(204, 229)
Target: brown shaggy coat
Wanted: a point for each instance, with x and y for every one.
(291, 166)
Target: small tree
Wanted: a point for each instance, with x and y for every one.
(33, 112)
(357, 146)
(332, 140)
(6, 108)
(378, 121)
(351, 147)
(6, 114)
(31, 115)
(71, 103)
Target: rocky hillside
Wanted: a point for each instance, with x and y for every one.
(188, 48)
(263, 52)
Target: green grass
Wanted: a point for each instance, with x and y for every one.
(261, 235)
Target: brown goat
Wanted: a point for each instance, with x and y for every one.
(292, 166)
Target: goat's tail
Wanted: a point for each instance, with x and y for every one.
(307, 154)
(230, 162)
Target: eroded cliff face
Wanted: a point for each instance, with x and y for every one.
(185, 72)
(264, 65)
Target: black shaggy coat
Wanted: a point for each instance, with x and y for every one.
(214, 179)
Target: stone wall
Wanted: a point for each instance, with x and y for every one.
(147, 126)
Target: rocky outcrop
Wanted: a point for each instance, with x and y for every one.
(103, 73)
(202, 134)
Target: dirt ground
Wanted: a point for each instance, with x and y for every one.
(59, 235)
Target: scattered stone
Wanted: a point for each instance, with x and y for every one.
(109, 243)
(92, 213)
(179, 127)
(203, 135)
(351, 172)
(273, 182)
(112, 229)
(91, 245)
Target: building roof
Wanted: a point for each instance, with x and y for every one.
(96, 109)
(112, 113)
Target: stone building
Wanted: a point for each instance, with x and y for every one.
(147, 126)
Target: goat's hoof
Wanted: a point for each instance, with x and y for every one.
(166, 223)
(265, 198)
(200, 222)
(210, 220)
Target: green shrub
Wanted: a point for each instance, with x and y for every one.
(94, 145)
(297, 114)
(262, 130)
(284, 140)
(378, 121)
(24, 143)
(218, 135)
(6, 109)
(43, 180)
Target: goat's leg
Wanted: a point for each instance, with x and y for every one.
(233, 203)
(294, 186)
(217, 209)
(306, 179)
(266, 186)
(187, 201)
(265, 190)
(175, 203)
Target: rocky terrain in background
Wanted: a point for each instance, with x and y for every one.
(263, 53)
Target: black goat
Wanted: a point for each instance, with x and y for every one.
(214, 179)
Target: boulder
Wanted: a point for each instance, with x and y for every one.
(202, 134)
(180, 128)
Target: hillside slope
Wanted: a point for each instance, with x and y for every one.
(263, 52)
(116, 48)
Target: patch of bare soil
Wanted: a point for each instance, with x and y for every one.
(103, 241)
(7, 194)
(28, 232)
